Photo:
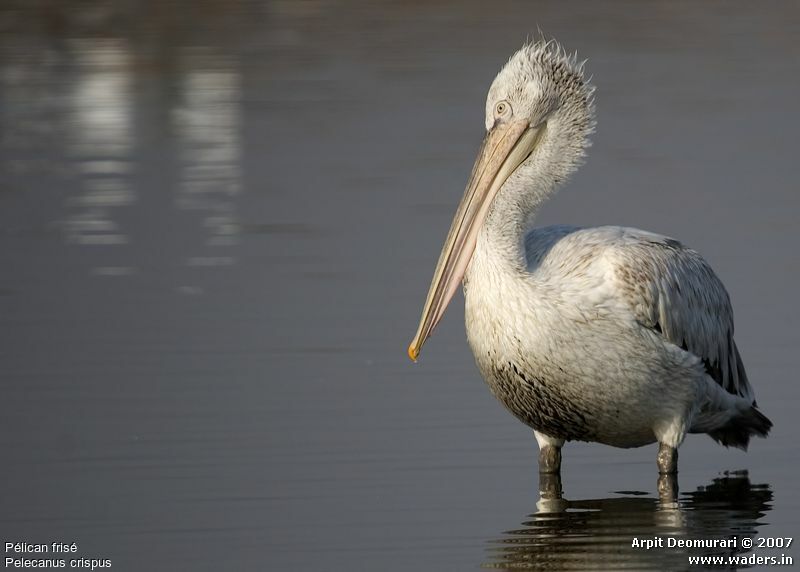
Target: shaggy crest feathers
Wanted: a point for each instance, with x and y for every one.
(559, 74)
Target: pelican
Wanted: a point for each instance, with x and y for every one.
(609, 334)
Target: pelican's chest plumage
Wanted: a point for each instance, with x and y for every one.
(520, 376)
(541, 350)
(512, 339)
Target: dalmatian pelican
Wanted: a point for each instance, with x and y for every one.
(608, 334)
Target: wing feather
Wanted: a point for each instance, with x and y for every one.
(673, 291)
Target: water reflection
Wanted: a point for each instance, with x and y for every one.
(100, 141)
(208, 128)
(596, 534)
(188, 206)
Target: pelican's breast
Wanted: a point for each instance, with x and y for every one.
(516, 330)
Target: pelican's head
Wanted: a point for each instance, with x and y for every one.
(539, 114)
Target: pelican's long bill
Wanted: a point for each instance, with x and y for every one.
(505, 146)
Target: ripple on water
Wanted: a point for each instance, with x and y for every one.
(596, 534)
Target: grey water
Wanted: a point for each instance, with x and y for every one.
(218, 221)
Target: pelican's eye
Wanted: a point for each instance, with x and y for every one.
(502, 109)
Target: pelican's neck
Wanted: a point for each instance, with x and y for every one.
(561, 150)
(501, 242)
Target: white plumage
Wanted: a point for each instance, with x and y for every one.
(609, 334)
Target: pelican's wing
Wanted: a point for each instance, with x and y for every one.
(673, 291)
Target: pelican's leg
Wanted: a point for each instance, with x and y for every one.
(668, 487)
(667, 459)
(550, 486)
(550, 459)
(549, 453)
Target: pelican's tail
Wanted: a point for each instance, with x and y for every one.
(737, 432)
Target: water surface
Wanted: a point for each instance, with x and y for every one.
(218, 221)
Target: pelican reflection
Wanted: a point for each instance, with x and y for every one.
(597, 534)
